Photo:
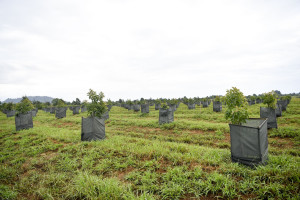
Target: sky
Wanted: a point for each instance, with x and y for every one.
(150, 49)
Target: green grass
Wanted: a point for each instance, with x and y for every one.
(140, 159)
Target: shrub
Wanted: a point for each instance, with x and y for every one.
(24, 106)
(60, 103)
(258, 98)
(57, 101)
(217, 99)
(129, 102)
(9, 106)
(206, 99)
(191, 101)
(283, 98)
(109, 102)
(97, 107)
(164, 106)
(157, 101)
(84, 103)
(142, 102)
(270, 99)
(173, 101)
(253, 98)
(237, 104)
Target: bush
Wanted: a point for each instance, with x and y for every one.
(237, 104)
(173, 101)
(97, 107)
(164, 106)
(9, 106)
(142, 102)
(270, 99)
(253, 98)
(109, 102)
(191, 101)
(157, 101)
(217, 99)
(129, 102)
(60, 103)
(24, 106)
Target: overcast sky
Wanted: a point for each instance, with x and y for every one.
(134, 49)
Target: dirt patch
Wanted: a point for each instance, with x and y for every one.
(164, 165)
(58, 142)
(227, 138)
(121, 174)
(192, 197)
(28, 196)
(209, 168)
(26, 165)
(64, 125)
(26, 173)
(205, 168)
(49, 154)
(248, 196)
(285, 143)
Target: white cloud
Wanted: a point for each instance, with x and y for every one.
(133, 49)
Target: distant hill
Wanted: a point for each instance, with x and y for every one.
(42, 99)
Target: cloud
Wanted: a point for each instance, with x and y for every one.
(133, 49)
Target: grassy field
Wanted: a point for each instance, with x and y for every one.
(140, 159)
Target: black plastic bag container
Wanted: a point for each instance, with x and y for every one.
(23, 121)
(61, 113)
(249, 142)
(145, 108)
(92, 128)
(166, 115)
(271, 115)
(217, 106)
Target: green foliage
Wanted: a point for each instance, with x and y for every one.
(85, 103)
(55, 101)
(129, 102)
(270, 99)
(253, 98)
(218, 99)
(157, 101)
(9, 106)
(97, 107)
(142, 101)
(278, 92)
(164, 106)
(258, 98)
(76, 102)
(7, 193)
(237, 106)
(93, 187)
(287, 97)
(173, 101)
(109, 102)
(223, 99)
(37, 104)
(205, 99)
(24, 106)
(60, 103)
(191, 101)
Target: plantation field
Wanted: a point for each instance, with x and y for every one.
(140, 159)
